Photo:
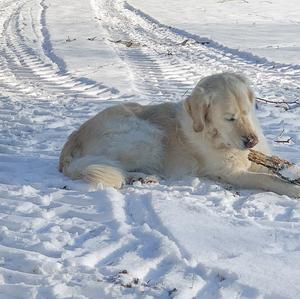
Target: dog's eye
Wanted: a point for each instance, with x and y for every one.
(230, 119)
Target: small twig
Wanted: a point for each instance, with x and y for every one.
(273, 102)
(284, 141)
(277, 139)
(278, 102)
(183, 43)
(68, 40)
(281, 133)
(186, 92)
(128, 44)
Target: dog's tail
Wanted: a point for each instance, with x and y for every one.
(96, 171)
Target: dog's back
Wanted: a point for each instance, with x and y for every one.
(118, 140)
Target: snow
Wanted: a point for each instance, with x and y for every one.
(265, 28)
(292, 172)
(174, 239)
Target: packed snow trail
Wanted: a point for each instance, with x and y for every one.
(264, 28)
(60, 64)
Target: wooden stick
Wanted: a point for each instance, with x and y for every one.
(274, 163)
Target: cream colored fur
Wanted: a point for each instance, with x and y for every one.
(207, 134)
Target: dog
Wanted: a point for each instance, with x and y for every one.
(208, 134)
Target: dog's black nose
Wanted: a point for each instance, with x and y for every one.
(250, 141)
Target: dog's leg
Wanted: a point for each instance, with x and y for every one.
(259, 168)
(268, 182)
(141, 177)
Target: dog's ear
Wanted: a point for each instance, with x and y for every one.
(197, 105)
(250, 92)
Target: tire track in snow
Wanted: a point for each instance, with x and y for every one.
(175, 60)
(37, 103)
(27, 73)
(31, 70)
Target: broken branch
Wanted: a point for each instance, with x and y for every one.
(275, 164)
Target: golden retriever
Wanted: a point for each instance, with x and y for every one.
(208, 134)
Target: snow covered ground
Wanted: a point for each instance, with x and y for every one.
(61, 63)
(267, 28)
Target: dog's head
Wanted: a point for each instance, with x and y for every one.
(223, 105)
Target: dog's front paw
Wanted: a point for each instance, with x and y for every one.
(151, 179)
(143, 179)
(293, 191)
